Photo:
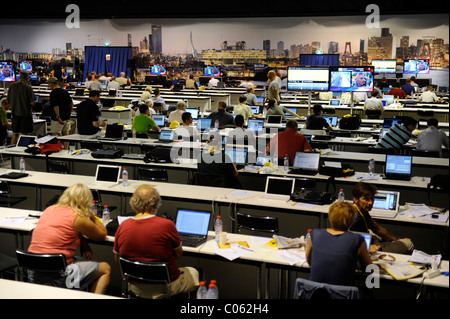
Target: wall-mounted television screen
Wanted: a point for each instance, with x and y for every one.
(308, 78)
(416, 66)
(351, 79)
(319, 59)
(26, 66)
(211, 70)
(158, 69)
(384, 66)
(7, 71)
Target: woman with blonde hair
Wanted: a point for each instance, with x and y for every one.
(62, 228)
(334, 253)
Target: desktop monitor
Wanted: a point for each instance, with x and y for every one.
(306, 160)
(307, 78)
(160, 120)
(26, 66)
(211, 70)
(238, 155)
(194, 113)
(158, 69)
(384, 66)
(7, 71)
(351, 79)
(416, 66)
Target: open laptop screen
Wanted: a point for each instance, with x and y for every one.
(159, 119)
(306, 160)
(279, 185)
(255, 125)
(398, 164)
(166, 135)
(192, 222)
(238, 155)
(274, 119)
(331, 120)
(106, 173)
(203, 124)
(387, 123)
(25, 140)
(386, 200)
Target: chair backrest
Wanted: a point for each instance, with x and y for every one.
(41, 262)
(373, 149)
(91, 145)
(438, 181)
(204, 179)
(373, 113)
(4, 188)
(415, 152)
(257, 224)
(307, 289)
(58, 167)
(152, 174)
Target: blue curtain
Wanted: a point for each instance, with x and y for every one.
(319, 59)
(95, 60)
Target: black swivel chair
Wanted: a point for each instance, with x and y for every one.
(153, 174)
(57, 167)
(6, 198)
(373, 114)
(376, 150)
(422, 153)
(257, 225)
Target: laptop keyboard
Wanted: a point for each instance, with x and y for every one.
(383, 213)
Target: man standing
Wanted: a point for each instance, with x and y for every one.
(22, 99)
(274, 90)
(61, 105)
(88, 114)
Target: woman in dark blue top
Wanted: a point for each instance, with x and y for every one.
(334, 253)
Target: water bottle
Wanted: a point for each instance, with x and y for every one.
(105, 215)
(341, 196)
(218, 227)
(216, 124)
(215, 287)
(202, 290)
(275, 160)
(308, 237)
(134, 133)
(286, 163)
(264, 112)
(308, 113)
(212, 292)
(125, 178)
(371, 166)
(94, 208)
(22, 165)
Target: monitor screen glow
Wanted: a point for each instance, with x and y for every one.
(306, 78)
(351, 79)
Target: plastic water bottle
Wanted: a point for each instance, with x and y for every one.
(22, 165)
(125, 178)
(212, 292)
(308, 237)
(286, 163)
(134, 133)
(264, 112)
(308, 113)
(94, 208)
(218, 227)
(105, 215)
(216, 124)
(275, 160)
(341, 196)
(202, 290)
(371, 166)
(214, 282)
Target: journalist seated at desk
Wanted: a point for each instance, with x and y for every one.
(147, 237)
(399, 134)
(316, 121)
(187, 131)
(144, 122)
(88, 114)
(240, 135)
(334, 253)
(64, 227)
(363, 198)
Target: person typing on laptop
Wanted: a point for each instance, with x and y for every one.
(147, 237)
(398, 134)
(363, 199)
(316, 121)
(143, 122)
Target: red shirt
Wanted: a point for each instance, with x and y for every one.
(149, 239)
(289, 142)
(397, 93)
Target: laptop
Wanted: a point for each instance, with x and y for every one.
(166, 136)
(274, 119)
(308, 138)
(279, 188)
(255, 109)
(238, 155)
(335, 102)
(262, 160)
(25, 140)
(388, 123)
(255, 125)
(386, 204)
(398, 167)
(203, 124)
(331, 120)
(305, 163)
(107, 175)
(292, 109)
(192, 226)
(160, 120)
(114, 132)
(260, 99)
(388, 98)
(194, 113)
(367, 238)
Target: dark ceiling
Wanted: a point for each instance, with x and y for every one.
(119, 9)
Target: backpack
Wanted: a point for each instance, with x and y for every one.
(350, 122)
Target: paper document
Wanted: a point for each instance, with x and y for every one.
(12, 221)
(419, 210)
(292, 257)
(420, 257)
(235, 251)
(401, 271)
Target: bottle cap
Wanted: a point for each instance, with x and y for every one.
(309, 230)
(218, 217)
(201, 283)
(213, 282)
(211, 285)
(106, 206)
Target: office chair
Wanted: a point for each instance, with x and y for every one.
(319, 145)
(204, 179)
(50, 264)
(6, 200)
(423, 153)
(156, 273)
(91, 145)
(341, 133)
(257, 225)
(7, 264)
(373, 114)
(438, 182)
(307, 289)
(424, 115)
(328, 110)
(152, 174)
(373, 149)
(57, 167)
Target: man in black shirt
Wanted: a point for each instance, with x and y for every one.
(88, 114)
(316, 121)
(62, 105)
(221, 115)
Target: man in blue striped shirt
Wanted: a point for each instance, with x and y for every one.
(398, 134)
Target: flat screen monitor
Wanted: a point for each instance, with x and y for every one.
(385, 66)
(26, 66)
(211, 70)
(194, 113)
(307, 78)
(351, 79)
(159, 119)
(158, 69)
(319, 59)
(416, 66)
(7, 71)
